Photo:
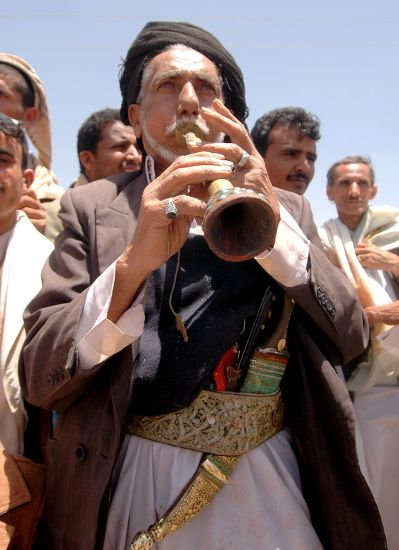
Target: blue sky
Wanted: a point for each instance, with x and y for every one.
(338, 60)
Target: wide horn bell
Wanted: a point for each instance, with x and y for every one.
(239, 223)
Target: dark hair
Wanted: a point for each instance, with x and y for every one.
(22, 84)
(353, 159)
(14, 129)
(306, 123)
(91, 131)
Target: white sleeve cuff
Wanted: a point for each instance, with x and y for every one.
(98, 337)
(288, 259)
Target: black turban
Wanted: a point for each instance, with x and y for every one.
(158, 35)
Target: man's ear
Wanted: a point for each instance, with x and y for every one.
(373, 191)
(134, 119)
(330, 192)
(29, 176)
(87, 160)
(30, 114)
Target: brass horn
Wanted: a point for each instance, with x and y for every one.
(239, 223)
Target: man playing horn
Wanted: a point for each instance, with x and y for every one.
(140, 330)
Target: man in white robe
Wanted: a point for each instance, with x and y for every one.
(364, 242)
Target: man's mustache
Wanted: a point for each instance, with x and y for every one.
(298, 176)
(189, 123)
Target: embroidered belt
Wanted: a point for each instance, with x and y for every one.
(221, 423)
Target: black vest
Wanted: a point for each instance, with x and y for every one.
(214, 297)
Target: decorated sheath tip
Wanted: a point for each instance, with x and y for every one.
(142, 541)
(145, 540)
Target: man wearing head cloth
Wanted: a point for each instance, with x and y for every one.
(23, 98)
(200, 400)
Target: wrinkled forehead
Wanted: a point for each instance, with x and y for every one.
(116, 130)
(354, 170)
(182, 53)
(286, 132)
(179, 60)
(290, 136)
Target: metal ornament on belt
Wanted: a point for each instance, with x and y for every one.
(220, 423)
(171, 209)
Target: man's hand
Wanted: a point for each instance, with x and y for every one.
(388, 314)
(158, 237)
(374, 257)
(33, 209)
(253, 174)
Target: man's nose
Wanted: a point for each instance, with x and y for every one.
(133, 153)
(188, 101)
(303, 166)
(354, 189)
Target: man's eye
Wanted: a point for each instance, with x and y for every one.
(207, 87)
(167, 84)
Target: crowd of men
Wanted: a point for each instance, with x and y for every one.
(178, 399)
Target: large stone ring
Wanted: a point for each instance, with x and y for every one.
(242, 161)
(170, 209)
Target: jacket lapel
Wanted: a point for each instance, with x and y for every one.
(115, 223)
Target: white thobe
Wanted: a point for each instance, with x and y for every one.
(376, 407)
(377, 413)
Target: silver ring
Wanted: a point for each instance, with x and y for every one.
(242, 161)
(170, 209)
